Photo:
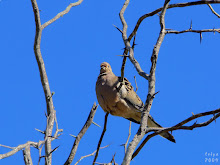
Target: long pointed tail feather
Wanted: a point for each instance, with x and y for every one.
(167, 135)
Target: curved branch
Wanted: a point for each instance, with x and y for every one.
(169, 7)
(121, 14)
(128, 47)
(61, 14)
(20, 147)
(179, 126)
(213, 11)
(124, 36)
(44, 82)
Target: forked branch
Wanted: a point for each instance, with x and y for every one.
(215, 113)
(128, 48)
(169, 7)
(151, 90)
(43, 75)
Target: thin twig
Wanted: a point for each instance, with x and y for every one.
(43, 132)
(129, 134)
(56, 135)
(96, 124)
(135, 84)
(40, 149)
(1, 145)
(100, 140)
(113, 160)
(92, 154)
(192, 31)
(118, 29)
(81, 133)
(213, 11)
(61, 14)
(202, 2)
(73, 135)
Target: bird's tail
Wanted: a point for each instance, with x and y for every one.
(153, 123)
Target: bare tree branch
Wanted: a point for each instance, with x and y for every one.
(61, 14)
(128, 47)
(44, 82)
(1, 145)
(213, 11)
(118, 29)
(43, 132)
(92, 154)
(129, 134)
(100, 140)
(81, 133)
(124, 36)
(40, 149)
(151, 90)
(169, 7)
(179, 126)
(192, 31)
(27, 156)
(113, 160)
(26, 149)
(56, 135)
(20, 147)
(43, 75)
(135, 84)
(96, 124)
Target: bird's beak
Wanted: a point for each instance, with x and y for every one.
(103, 69)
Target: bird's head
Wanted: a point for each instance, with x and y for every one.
(105, 68)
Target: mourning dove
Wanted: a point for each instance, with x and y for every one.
(119, 98)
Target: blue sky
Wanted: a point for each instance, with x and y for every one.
(73, 47)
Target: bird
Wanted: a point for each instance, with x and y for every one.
(118, 98)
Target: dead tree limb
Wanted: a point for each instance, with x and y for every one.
(192, 31)
(44, 82)
(43, 74)
(128, 47)
(80, 135)
(151, 90)
(215, 113)
(124, 36)
(169, 7)
(20, 147)
(27, 156)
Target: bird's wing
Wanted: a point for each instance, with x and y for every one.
(131, 96)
